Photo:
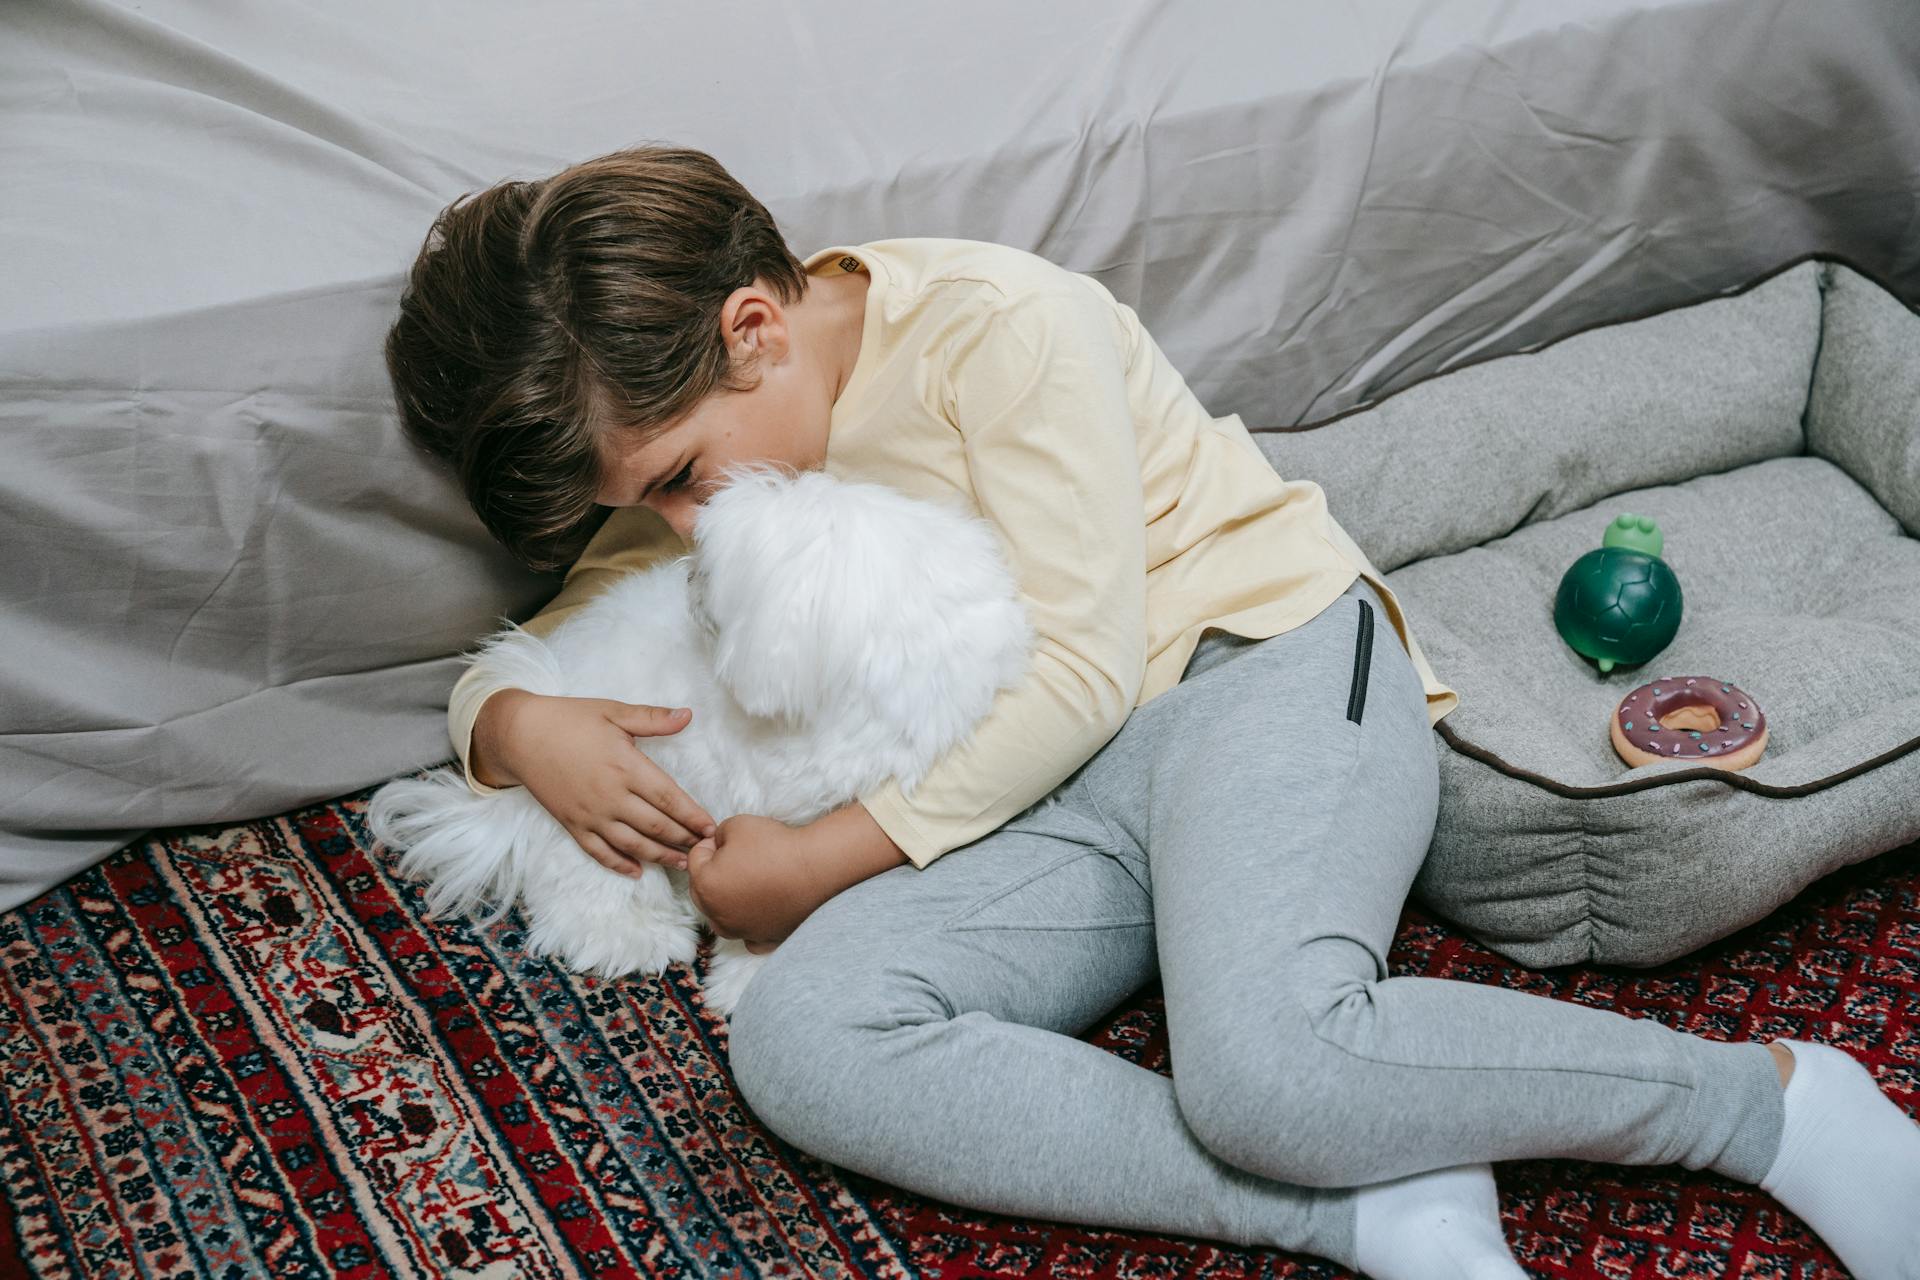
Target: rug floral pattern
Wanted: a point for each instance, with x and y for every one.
(244, 1052)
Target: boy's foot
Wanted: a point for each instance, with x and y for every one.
(1849, 1163)
(1440, 1225)
(1782, 1061)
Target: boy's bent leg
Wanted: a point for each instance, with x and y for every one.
(1284, 836)
(919, 1028)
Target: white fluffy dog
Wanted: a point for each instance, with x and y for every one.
(828, 634)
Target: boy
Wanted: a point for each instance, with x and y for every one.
(611, 336)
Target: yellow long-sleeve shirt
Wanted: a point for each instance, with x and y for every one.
(1132, 519)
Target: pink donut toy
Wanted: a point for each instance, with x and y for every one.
(1696, 718)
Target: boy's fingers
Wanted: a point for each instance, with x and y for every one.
(646, 720)
(648, 781)
(692, 816)
(604, 854)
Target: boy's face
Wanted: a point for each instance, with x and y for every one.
(803, 362)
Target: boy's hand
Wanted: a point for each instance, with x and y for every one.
(579, 759)
(753, 879)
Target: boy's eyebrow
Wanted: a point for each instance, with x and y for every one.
(654, 483)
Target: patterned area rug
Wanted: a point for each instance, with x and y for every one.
(241, 1052)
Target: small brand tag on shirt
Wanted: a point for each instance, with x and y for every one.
(849, 264)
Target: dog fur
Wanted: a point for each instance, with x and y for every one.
(829, 635)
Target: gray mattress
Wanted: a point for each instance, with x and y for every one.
(228, 586)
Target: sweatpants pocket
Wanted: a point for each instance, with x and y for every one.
(1362, 660)
(1081, 889)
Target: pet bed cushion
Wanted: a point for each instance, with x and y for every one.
(1800, 586)
(1865, 410)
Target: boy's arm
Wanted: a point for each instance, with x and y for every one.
(630, 538)
(838, 851)
(1037, 390)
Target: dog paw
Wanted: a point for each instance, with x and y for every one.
(729, 970)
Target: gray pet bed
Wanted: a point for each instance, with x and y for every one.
(1775, 437)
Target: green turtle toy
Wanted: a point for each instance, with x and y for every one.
(1620, 604)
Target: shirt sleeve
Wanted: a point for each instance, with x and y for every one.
(1037, 389)
(630, 538)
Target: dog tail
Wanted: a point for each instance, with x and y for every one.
(468, 848)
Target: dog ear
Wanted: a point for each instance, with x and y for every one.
(759, 585)
(820, 593)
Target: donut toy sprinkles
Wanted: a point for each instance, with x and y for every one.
(1693, 718)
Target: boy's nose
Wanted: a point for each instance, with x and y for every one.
(680, 517)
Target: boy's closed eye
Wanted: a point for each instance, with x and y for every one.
(665, 486)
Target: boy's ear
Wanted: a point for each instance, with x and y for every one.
(751, 320)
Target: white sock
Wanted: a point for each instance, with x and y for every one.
(1849, 1164)
(1443, 1224)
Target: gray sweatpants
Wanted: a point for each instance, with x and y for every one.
(1251, 833)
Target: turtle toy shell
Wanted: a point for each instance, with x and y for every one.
(1620, 604)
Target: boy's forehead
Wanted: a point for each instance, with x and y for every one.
(641, 454)
(631, 439)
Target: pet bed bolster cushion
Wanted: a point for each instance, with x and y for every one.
(1864, 414)
(1801, 585)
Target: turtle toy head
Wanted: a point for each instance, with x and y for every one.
(1635, 533)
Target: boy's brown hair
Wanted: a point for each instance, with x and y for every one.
(542, 315)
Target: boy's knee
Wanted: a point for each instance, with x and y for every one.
(1277, 1101)
(795, 1046)
(769, 1049)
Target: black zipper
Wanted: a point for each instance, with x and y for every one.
(1362, 659)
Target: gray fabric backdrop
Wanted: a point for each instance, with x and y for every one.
(229, 588)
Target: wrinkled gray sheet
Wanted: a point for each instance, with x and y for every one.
(227, 586)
